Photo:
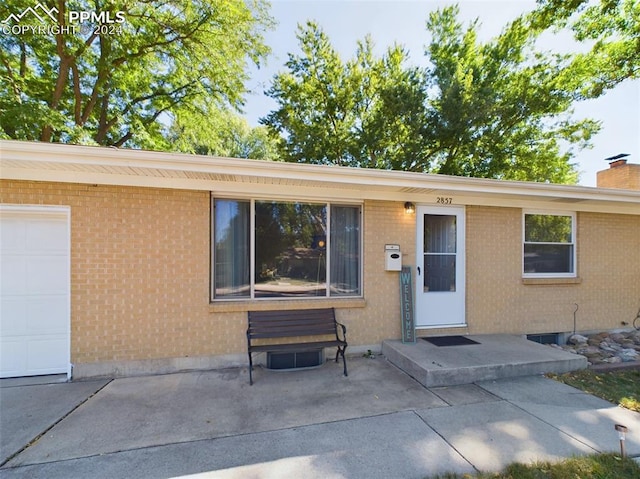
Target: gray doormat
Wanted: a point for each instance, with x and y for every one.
(450, 340)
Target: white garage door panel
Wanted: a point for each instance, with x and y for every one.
(13, 358)
(34, 290)
(13, 274)
(10, 309)
(46, 236)
(44, 273)
(47, 315)
(32, 316)
(33, 357)
(47, 355)
(24, 275)
(13, 235)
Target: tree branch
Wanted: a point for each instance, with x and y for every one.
(103, 126)
(156, 94)
(63, 72)
(14, 85)
(143, 50)
(77, 95)
(103, 74)
(148, 121)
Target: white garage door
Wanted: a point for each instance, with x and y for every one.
(34, 290)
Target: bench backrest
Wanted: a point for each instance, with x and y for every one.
(284, 324)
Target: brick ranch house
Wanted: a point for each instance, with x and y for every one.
(122, 262)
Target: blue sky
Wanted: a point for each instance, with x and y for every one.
(403, 22)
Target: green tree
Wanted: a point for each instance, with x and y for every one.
(499, 109)
(315, 105)
(216, 131)
(389, 109)
(365, 112)
(611, 27)
(120, 85)
(494, 110)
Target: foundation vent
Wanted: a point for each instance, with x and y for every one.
(295, 360)
(544, 338)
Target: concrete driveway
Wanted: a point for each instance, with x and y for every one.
(378, 422)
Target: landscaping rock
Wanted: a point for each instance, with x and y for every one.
(606, 348)
(567, 347)
(589, 350)
(617, 337)
(594, 341)
(578, 339)
(629, 355)
(610, 346)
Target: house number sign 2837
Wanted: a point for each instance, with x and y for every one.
(444, 200)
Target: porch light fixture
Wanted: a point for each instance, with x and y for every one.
(409, 208)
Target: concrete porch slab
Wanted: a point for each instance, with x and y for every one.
(494, 357)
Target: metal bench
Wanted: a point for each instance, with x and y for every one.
(269, 326)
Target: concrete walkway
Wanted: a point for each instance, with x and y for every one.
(376, 423)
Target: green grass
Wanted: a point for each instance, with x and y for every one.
(601, 466)
(595, 466)
(618, 387)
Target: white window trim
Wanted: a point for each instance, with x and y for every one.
(574, 260)
(252, 201)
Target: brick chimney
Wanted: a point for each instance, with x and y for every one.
(621, 175)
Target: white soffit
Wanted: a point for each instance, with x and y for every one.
(37, 161)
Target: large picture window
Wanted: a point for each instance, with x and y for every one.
(549, 245)
(279, 249)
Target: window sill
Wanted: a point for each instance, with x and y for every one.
(551, 280)
(267, 304)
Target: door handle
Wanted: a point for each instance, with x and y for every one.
(418, 268)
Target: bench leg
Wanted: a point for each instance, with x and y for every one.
(250, 370)
(340, 352)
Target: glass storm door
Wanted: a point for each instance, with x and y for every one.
(440, 267)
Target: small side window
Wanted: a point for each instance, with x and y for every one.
(549, 245)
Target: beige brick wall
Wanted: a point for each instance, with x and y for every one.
(385, 222)
(140, 275)
(139, 269)
(606, 290)
(609, 266)
(493, 263)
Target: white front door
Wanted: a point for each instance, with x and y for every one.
(440, 284)
(34, 290)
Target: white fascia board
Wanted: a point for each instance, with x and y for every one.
(382, 184)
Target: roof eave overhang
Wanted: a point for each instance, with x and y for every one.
(34, 161)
